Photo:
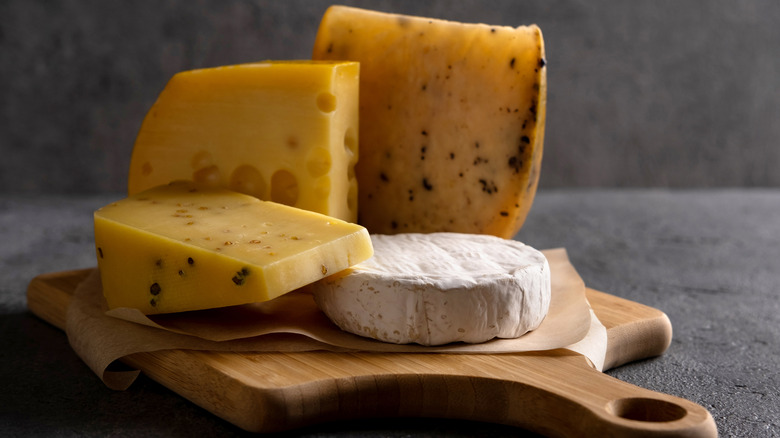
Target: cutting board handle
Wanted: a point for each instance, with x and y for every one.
(551, 394)
(585, 400)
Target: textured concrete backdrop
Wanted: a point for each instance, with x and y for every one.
(641, 93)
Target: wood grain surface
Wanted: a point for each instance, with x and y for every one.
(554, 393)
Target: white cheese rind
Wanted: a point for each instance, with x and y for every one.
(438, 288)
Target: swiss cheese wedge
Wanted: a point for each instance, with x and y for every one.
(284, 131)
(185, 246)
(451, 119)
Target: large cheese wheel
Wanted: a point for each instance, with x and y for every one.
(451, 120)
(437, 288)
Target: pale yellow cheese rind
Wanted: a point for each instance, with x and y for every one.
(284, 131)
(184, 246)
(452, 119)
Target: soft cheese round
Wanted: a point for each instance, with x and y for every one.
(437, 288)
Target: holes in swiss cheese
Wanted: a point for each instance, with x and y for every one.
(205, 172)
(350, 142)
(201, 159)
(210, 176)
(284, 187)
(326, 102)
(350, 147)
(248, 180)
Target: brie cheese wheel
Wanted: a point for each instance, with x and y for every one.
(438, 288)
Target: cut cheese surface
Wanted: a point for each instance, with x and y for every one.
(437, 288)
(451, 120)
(284, 131)
(184, 246)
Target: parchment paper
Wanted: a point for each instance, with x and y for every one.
(294, 323)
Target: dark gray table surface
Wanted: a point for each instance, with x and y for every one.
(710, 259)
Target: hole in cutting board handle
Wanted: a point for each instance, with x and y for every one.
(646, 409)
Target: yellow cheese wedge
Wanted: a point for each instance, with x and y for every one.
(284, 131)
(184, 246)
(451, 119)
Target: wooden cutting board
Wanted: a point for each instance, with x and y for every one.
(553, 392)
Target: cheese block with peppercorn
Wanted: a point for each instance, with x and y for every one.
(451, 119)
(185, 246)
(284, 131)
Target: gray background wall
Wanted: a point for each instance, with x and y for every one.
(641, 93)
